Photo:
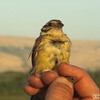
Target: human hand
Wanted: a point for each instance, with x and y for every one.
(61, 88)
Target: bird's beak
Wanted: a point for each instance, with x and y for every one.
(60, 25)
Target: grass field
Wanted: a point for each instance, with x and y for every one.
(12, 83)
(14, 97)
(11, 86)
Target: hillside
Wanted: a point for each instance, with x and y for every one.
(14, 52)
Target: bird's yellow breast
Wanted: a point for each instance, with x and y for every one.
(51, 53)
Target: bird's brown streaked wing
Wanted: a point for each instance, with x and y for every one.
(34, 51)
(36, 48)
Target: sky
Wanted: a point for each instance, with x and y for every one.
(25, 18)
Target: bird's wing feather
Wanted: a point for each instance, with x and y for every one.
(36, 48)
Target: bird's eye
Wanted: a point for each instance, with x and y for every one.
(49, 24)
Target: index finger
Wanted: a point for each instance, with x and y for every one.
(84, 85)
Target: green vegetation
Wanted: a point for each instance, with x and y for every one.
(14, 97)
(96, 77)
(11, 86)
(12, 83)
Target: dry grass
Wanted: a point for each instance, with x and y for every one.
(16, 41)
(10, 62)
(86, 54)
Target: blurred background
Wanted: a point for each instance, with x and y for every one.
(20, 24)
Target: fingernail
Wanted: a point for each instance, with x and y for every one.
(64, 81)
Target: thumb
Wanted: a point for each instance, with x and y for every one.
(60, 89)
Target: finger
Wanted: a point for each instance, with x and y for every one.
(84, 86)
(60, 89)
(49, 76)
(71, 70)
(35, 81)
(30, 90)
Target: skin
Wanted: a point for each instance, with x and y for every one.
(55, 86)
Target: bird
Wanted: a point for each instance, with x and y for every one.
(51, 48)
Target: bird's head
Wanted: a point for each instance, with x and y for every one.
(52, 24)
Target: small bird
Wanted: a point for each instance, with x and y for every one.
(51, 48)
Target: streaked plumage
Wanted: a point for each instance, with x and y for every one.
(51, 48)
